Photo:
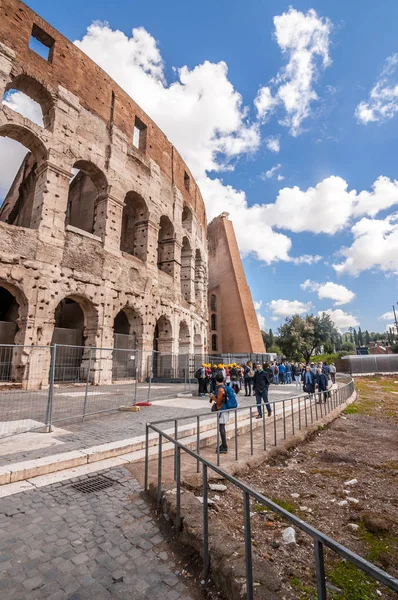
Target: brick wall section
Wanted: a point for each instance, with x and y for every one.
(76, 72)
(237, 325)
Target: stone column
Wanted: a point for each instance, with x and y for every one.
(108, 220)
(50, 201)
(7, 57)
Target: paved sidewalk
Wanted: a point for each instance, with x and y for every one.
(112, 427)
(60, 544)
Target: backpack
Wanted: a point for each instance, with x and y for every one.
(198, 373)
(230, 399)
(276, 370)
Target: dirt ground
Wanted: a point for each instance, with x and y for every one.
(362, 444)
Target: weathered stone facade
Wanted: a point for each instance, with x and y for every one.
(126, 233)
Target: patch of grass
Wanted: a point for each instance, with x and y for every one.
(321, 427)
(309, 590)
(286, 504)
(377, 544)
(354, 584)
(351, 410)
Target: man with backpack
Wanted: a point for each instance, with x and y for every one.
(261, 384)
(248, 375)
(275, 371)
(224, 400)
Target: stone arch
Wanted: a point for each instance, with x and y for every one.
(184, 338)
(162, 358)
(35, 90)
(18, 206)
(127, 336)
(87, 187)
(187, 218)
(75, 329)
(186, 273)
(13, 312)
(166, 245)
(134, 234)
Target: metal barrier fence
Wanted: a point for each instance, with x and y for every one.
(337, 397)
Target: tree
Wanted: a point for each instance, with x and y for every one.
(300, 336)
(355, 337)
(271, 338)
(367, 338)
(348, 347)
(360, 337)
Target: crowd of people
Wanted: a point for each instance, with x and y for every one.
(256, 378)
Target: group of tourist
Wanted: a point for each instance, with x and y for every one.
(215, 379)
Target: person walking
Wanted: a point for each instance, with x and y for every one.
(282, 373)
(308, 381)
(297, 370)
(219, 399)
(326, 370)
(321, 382)
(248, 377)
(332, 372)
(288, 372)
(275, 371)
(261, 383)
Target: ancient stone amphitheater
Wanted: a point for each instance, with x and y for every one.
(103, 232)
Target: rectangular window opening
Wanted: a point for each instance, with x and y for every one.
(42, 43)
(186, 181)
(139, 135)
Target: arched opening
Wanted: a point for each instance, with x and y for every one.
(20, 152)
(183, 351)
(134, 235)
(213, 302)
(213, 322)
(31, 99)
(9, 314)
(166, 241)
(162, 349)
(187, 218)
(69, 333)
(87, 187)
(186, 270)
(214, 345)
(127, 331)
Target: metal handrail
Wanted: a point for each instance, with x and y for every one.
(320, 540)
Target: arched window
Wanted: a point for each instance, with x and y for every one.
(213, 320)
(187, 218)
(31, 99)
(134, 233)
(86, 187)
(214, 343)
(213, 302)
(22, 151)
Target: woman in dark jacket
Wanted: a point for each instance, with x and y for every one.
(308, 381)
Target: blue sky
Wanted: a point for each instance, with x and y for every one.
(328, 72)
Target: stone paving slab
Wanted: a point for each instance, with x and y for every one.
(111, 427)
(60, 544)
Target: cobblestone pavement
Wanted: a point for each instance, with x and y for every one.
(111, 427)
(60, 544)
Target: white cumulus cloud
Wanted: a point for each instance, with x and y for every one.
(304, 39)
(387, 316)
(341, 319)
(273, 144)
(339, 293)
(299, 210)
(287, 308)
(382, 103)
(375, 246)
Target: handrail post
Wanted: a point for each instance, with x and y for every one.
(178, 485)
(198, 442)
(284, 419)
(86, 387)
(218, 438)
(175, 447)
(146, 456)
(274, 411)
(206, 562)
(159, 495)
(248, 546)
(264, 431)
(292, 409)
(251, 431)
(320, 570)
(236, 435)
(299, 413)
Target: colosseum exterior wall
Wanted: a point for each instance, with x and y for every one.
(89, 124)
